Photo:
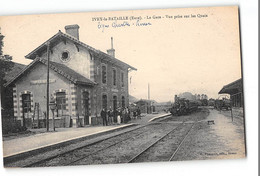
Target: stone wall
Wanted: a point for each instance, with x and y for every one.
(38, 91)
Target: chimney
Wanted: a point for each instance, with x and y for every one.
(73, 30)
(111, 51)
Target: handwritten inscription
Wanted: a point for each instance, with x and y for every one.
(121, 24)
(139, 21)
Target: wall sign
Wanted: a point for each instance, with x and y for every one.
(42, 81)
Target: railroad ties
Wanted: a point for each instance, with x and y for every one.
(159, 140)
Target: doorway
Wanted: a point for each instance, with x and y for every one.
(26, 105)
(86, 107)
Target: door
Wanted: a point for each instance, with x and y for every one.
(61, 103)
(86, 107)
(26, 105)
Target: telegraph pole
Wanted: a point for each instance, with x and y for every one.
(48, 76)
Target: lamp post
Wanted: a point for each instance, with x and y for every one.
(53, 107)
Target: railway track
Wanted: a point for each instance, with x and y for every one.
(68, 157)
(81, 153)
(45, 156)
(113, 144)
(124, 151)
(79, 156)
(157, 141)
(161, 149)
(175, 152)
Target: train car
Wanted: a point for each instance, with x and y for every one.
(183, 106)
(222, 104)
(211, 102)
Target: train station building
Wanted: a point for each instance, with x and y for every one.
(82, 81)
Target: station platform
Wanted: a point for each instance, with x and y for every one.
(42, 139)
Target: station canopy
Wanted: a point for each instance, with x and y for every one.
(232, 88)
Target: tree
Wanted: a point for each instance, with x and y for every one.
(7, 113)
(6, 63)
(1, 43)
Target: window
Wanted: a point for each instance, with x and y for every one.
(114, 77)
(61, 103)
(104, 74)
(123, 102)
(104, 101)
(122, 79)
(114, 103)
(26, 102)
(65, 56)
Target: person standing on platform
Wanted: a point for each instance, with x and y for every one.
(128, 114)
(110, 116)
(124, 115)
(119, 116)
(104, 117)
(115, 113)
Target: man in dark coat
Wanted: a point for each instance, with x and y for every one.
(110, 116)
(115, 114)
(104, 117)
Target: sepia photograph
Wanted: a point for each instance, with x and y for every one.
(113, 87)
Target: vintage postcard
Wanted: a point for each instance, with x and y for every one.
(121, 87)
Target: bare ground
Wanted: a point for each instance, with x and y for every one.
(222, 140)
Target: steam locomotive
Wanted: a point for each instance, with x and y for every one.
(183, 106)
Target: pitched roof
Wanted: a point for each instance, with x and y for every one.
(61, 69)
(232, 88)
(60, 35)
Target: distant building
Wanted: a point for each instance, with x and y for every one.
(235, 90)
(146, 106)
(83, 80)
(163, 106)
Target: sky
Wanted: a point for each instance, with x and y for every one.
(193, 50)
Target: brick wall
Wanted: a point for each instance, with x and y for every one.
(109, 89)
